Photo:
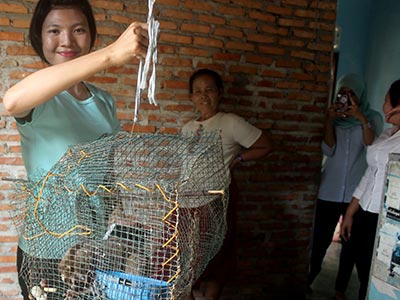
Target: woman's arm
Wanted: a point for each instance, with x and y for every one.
(262, 147)
(42, 85)
(329, 137)
(367, 130)
(347, 222)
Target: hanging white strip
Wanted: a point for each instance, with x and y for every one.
(151, 56)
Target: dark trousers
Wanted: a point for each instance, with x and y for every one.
(22, 284)
(223, 266)
(362, 246)
(33, 270)
(327, 215)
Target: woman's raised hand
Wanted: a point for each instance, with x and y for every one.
(133, 42)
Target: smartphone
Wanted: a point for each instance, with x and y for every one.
(343, 102)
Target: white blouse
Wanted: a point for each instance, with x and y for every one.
(370, 190)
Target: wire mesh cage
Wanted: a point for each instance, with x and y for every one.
(125, 217)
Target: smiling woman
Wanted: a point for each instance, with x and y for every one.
(241, 142)
(63, 33)
(65, 39)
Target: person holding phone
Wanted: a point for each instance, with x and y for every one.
(361, 218)
(350, 127)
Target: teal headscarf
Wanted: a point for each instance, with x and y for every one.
(357, 85)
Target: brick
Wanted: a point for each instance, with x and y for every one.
(4, 22)
(304, 34)
(177, 14)
(300, 3)
(121, 19)
(272, 50)
(270, 95)
(331, 16)
(109, 31)
(11, 161)
(278, 10)
(321, 47)
(8, 269)
(274, 73)
(176, 62)
(288, 85)
(35, 65)
(315, 87)
(193, 52)
(21, 23)
(288, 63)
(210, 42)
(8, 239)
(234, 11)
(139, 128)
(227, 56)
(324, 5)
(13, 8)
(265, 83)
(298, 96)
(107, 4)
(164, 37)
(280, 31)
(251, 4)
(240, 46)
(20, 50)
(291, 43)
(174, 84)
(304, 13)
(169, 2)
(248, 24)
(137, 8)
(262, 17)
(8, 259)
(197, 5)
(11, 36)
(243, 69)
(195, 28)
(212, 20)
(303, 54)
(323, 26)
(291, 22)
(178, 108)
(228, 33)
(261, 38)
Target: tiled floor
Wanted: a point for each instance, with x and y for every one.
(323, 286)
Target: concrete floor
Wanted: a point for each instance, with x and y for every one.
(323, 287)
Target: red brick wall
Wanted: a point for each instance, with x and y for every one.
(275, 59)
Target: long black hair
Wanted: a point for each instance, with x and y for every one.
(42, 9)
(394, 93)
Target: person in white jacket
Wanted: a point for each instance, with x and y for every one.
(360, 221)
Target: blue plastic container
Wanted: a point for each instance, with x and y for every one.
(123, 286)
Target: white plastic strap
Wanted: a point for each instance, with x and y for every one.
(151, 56)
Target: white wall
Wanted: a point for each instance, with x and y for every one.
(384, 50)
(370, 44)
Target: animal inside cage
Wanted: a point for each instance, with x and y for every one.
(125, 217)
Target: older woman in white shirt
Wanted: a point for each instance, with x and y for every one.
(361, 218)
